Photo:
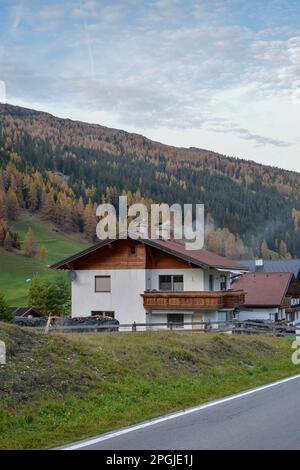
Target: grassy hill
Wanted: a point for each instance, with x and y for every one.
(16, 270)
(58, 388)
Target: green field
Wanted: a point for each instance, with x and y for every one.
(58, 388)
(16, 270)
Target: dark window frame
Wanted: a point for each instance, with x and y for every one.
(101, 291)
(172, 282)
(177, 320)
(223, 282)
(132, 250)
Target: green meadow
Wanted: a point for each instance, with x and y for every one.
(16, 270)
(58, 388)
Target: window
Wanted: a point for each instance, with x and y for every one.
(177, 283)
(172, 282)
(102, 313)
(177, 320)
(132, 250)
(102, 284)
(223, 282)
(211, 282)
(225, 316)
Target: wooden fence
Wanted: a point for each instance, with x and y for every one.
(232, 327)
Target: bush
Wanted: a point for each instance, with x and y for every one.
(5, 314)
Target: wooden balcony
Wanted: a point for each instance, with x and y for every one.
(193, 300)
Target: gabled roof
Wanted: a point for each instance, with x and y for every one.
(201, 258)
(274, 266)
(264, 289)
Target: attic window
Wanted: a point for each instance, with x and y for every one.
(132, 250)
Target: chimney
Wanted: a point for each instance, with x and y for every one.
(259, 264)
(163, 230)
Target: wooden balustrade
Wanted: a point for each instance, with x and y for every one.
(190, 300)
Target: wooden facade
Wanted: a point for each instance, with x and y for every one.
(129, 254)
(123, 254)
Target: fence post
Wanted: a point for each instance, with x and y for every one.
(48, 324)
(134, 326)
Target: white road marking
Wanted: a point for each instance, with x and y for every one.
(146, 424)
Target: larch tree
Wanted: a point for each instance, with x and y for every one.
(29, 247)
(13, 208)
(43, 253)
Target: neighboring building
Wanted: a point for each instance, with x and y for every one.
(269, 296)
(273, 266)
(152, 281)
(25, 312)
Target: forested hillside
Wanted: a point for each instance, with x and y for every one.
(63, 169)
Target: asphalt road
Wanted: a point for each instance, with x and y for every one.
(266, 418)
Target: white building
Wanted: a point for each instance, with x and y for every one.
(270, 296)
(152, 281)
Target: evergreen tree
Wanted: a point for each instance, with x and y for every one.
(3, 205)
(3, 231)
(5, 314)
(59, 297)
(8, 242)
(37, 295)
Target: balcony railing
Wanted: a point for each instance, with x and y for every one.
(206, 300)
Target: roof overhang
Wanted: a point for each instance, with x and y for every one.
(67, 263)
(232, 271)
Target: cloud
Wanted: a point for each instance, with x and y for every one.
(162, 63)
(245, 134)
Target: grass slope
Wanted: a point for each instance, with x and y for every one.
(55, 389)
(15, 268)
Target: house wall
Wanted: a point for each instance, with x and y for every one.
(257, 313)
(193, 279)
(129, 281)
(217, 279)
(161, 318)
(124, 299)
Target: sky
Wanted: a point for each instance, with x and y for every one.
(222, 75)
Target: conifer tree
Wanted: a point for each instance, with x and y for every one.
(5, 314)
(13, 208)
(7, 242)
(29, 247)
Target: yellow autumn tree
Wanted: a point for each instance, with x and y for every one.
(29, 247)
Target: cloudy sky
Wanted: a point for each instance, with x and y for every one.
(217, 74)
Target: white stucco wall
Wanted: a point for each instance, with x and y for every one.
(217, 279)
(127, 285)
(124, 299)
(257, 314)
(193, 279)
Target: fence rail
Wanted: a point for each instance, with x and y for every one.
(233, 327)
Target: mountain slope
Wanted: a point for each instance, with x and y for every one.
(252, 200)
(16, 270)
